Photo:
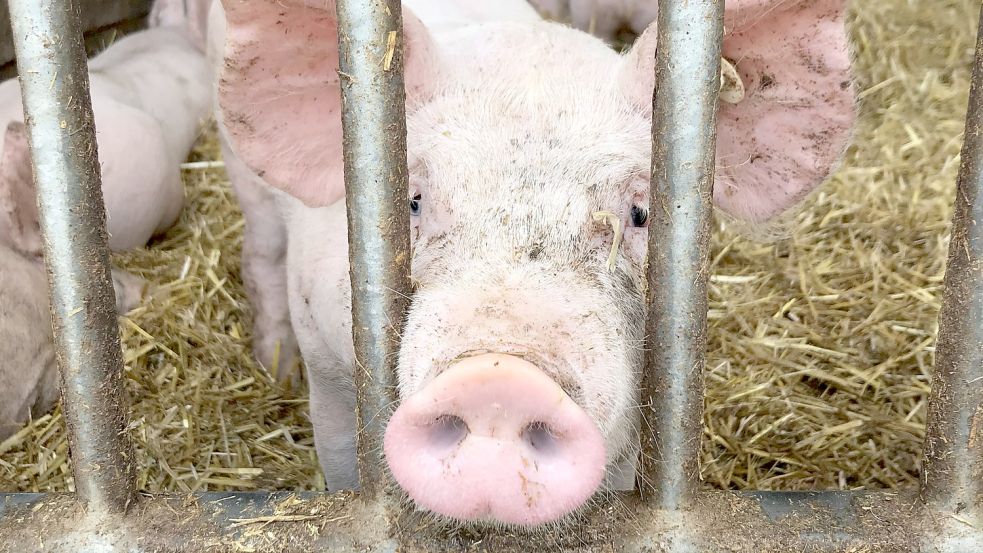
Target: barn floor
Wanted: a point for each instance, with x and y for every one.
(821, 344)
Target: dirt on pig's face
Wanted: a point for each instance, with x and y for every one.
(525, 176)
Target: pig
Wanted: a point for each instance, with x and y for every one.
(150, 93)
(520, 359)
(28, 372)
(606, 18)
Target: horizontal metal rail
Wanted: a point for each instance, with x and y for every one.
(285, 522)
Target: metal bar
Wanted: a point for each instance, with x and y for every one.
(374, 122)
(285, 522)
(953, 468)
(683, 141)
(55, 89)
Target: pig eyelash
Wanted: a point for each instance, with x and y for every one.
(615, 222)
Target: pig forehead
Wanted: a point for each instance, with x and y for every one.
(498, 136)
(541, 100)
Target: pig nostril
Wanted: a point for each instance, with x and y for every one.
(540, 437)
(448, 431)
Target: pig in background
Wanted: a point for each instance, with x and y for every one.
(605, 18)
(150, 93)
(28, 371)
(608, 19)
(520, 359)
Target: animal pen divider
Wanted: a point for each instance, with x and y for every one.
(670, 513)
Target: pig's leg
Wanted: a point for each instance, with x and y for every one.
(320, 306)
(129, 290)
(264, 272)
(333, 416)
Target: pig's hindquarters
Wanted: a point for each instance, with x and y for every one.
(28, 373)
(141, 184)
(320, 307)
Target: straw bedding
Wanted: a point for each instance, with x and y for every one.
(821, 343)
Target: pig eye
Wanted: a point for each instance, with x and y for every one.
(639, 216)
(415, 204)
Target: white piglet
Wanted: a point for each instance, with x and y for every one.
(520, 359)
(150, 94)
(28, 372)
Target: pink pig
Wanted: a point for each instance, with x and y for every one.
(604, 18)
(520, 359)
(28, 372)
(150, 93)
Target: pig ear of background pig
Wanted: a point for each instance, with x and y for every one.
(191, 15)
(790, 131)
(19, 227)
(279, 91)
(129, 289)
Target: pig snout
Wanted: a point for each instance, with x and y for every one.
(494, 438)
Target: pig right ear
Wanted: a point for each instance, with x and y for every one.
(280, 97)
(790, 116)
(19, 226)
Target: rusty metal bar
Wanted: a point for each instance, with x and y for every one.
(756, 522)
(55, 89)
(953, 468)
(374, 121)
(683, 141)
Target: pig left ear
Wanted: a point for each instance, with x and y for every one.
(789, 131)
(280, 96)
(19, 227)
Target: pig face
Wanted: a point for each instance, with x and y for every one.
(507, 254)
(529, 151)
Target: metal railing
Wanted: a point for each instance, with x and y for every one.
(671, 513)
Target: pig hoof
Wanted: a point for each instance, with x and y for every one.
(130, 290)
(281, 359)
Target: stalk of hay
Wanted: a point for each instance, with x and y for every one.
(821, 345)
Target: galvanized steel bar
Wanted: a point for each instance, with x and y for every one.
(953, 469)
(55, 88)
(683, 141)
(286, 522)
(371, 43)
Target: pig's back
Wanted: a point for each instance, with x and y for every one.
(441, 16)
(28, 374)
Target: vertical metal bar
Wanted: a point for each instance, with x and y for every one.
(370, 37)
(684, 135)
(953, 468)
(55, 89)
